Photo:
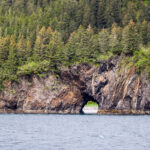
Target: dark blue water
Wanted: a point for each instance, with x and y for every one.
(74, 132)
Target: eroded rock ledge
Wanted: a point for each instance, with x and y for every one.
(116, 90)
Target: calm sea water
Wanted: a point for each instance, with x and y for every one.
(74, 132)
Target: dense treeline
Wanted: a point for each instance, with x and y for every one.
(41, 35)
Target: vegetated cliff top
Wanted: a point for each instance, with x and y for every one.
(117, 89)
(40, 35)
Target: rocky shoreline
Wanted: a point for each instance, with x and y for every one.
(116, 90)
(87, 111)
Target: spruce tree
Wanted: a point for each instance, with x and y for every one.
(41, 45)
(103, 38)
(55, 50)
(130, 39)
(101, 20)
(10, 67)
(4, 50)
(93, 13)
(144, 32)
(21, 50)
(74, 44)
(130, 14)
(84, 52)
(115, 39)
(86, 16)
(29, 50)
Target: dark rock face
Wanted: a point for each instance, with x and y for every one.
(116, 90)
(40, 95)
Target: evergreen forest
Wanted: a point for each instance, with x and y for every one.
(42, 35)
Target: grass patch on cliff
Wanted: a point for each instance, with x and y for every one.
(33, 68)
(140, 60)
(91, 103)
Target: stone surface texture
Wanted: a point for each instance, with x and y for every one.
(116, 90)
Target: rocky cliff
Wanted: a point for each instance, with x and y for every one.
(116, 90)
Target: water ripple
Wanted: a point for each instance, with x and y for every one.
(74, 132)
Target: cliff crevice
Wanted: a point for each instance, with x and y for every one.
(115, 91)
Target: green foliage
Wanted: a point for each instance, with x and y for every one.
(102, 57)
(41, 35)
(144, 33)
(103, 39)
(81, 46)
(131, 39)
(91, 103)
(142, 63)
(115, 40)
(33, 68)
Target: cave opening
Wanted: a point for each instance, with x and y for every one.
(90, 105)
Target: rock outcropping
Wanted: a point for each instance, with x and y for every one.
(115, 89)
